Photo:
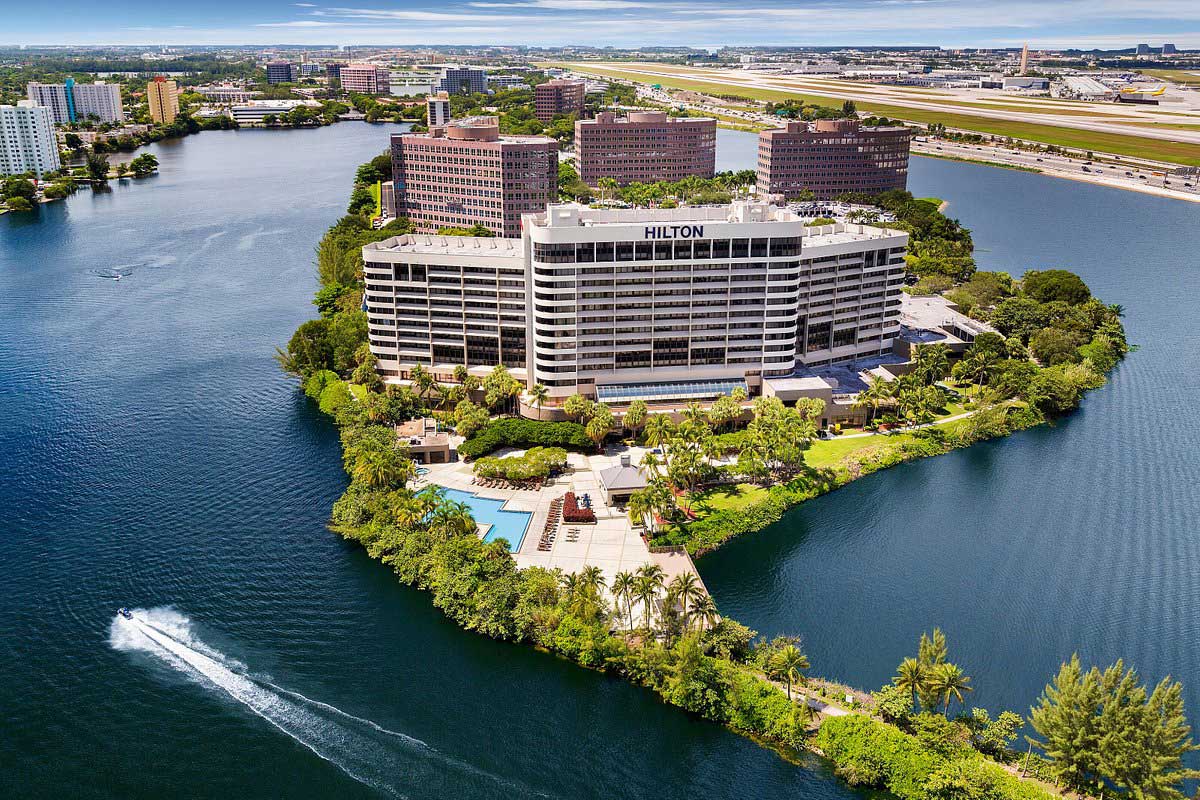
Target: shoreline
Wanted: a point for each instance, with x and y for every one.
(1156, 191)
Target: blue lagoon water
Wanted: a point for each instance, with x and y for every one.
(152, 455)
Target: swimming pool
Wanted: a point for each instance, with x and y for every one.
(501, 524)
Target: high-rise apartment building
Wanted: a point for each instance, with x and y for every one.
(1169, 49)
(645, 147)
(467, 174)
(162, 96)
(631, 304)
(832, 156)
(27, 142)
(281, 72)
(463, 80)
(558, 97)
(437, 109)
(76, 102)
(365, 78)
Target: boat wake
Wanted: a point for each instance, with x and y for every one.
(389, 761)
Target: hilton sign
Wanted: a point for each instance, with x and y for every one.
(675, 232)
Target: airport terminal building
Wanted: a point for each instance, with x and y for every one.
(654, 304)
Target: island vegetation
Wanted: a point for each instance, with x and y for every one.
(1097, 732)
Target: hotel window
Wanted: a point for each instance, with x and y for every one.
(662, 250)
(644, 251)
(740, 248)
(604, 251)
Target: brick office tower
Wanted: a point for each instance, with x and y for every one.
(557, 97)
(830, 157)
(645, 147)
(467, 174)
(365, 78)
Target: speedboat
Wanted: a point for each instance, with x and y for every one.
(124, 612)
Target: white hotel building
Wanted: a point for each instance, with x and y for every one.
(27, 142)
(654, 304)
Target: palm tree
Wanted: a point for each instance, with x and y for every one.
(949, 681)
(452, 518)
(640, 507)
(704, 611)
(878, 391)
(623, 586)
(539, 394)
(460, 373)
(658, 432)
(930, 362)
(592, 581)
(912, 677)
(650, 583)
(596, 430)
(421, 379)
(694, 412)
(650, 463)
(378, 469)
(686, 587)
(788, 664)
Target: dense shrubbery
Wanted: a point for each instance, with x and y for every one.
(517, 432)
(537, 462)
(874, 754)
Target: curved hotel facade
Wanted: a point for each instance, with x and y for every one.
(638, 303)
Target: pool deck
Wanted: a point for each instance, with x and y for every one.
(610, 544)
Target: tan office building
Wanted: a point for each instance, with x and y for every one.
(163, 97)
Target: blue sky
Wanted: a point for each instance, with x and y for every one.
(699, 23)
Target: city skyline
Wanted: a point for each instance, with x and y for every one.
(619, 23)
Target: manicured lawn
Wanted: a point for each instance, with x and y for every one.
(721, 498)
(1075, 138)
(1187, 78)
(376, 188)
(358, 390)
(827, 453)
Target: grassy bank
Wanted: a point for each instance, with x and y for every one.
(1120, 144)
(984, 162)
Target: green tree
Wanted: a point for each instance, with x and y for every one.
(685, 587)
(913, 677)
(635, 416)
(143, 165)
(624, 586)
(97, 167)
(1055, 284)
(17, 186)
(539, 394)
(788, 665)
(949, 682)
(576, 406)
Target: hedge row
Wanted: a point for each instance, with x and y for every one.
(877, 755)
(518, 432)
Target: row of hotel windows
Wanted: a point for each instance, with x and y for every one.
(584, 252)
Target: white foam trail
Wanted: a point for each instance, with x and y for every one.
(327, 731)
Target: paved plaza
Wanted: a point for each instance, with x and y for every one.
(611, 543)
